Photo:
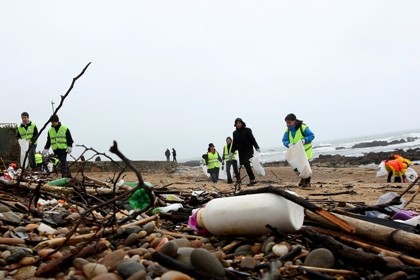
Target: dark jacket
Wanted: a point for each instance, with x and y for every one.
(243, 142)
(69, 140)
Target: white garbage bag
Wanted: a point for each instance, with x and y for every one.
(256, 164)
(381, 170)
(296, 157)
(24, 146)
(411, 174)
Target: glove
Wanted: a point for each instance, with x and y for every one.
(258, 150)
(45, 153)
(68, 150)
(290, 145)
(303, 141)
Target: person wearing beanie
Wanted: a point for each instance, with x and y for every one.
(61, 142)
(28, 131)
(213, 161)
(244, 142)
(298, 131)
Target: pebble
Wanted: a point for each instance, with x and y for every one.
(184, 255)
(132, 240)
(169, 248)
(182, 242)
(157, 241)
(133, 229)
(62, 231)
(155, 270)
(266, 241)
(142, 234)
(269, 247)
(4, 208)
(280, 250)
(31, 227)
(137, 251)
(398, 275)
(108, 276)
(320, 257)
(206, 261)
(44, 252)
(94, 269)
(149, 228)
(139, 275)
(25, 272)
(10, 217)
(78, 263)
(175, 275)
(113, 259)
(248, 263)
(128, 268)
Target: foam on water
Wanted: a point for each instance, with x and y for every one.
(344, 145)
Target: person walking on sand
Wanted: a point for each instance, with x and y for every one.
(27, 131)
(61, 142)
(297, 131)
(230, 159)
(244, 142)
(213, 160)
(167, 154)
(174, 155)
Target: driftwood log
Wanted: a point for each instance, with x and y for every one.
(378, 233)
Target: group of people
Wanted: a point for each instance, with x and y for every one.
(59, 139)
(243, 144)
(168, 155)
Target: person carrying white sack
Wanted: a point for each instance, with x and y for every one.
(26, 134)
(298, 131)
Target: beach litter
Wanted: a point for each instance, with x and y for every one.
(87, 228)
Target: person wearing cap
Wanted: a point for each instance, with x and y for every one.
(213, 161)
(230, 159)
(297, 131)
(244, 142)
(27, 130)
(61, 142)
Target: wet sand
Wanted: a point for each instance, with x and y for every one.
(356, 184)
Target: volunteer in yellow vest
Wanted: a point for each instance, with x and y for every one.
(230, 159)
(38, 160)
(396, 166)
(213, 161)
(61, 142)
(298, 131)
(27, 130)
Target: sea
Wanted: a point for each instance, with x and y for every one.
(343, 147)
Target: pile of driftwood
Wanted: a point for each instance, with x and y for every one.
(98, 222)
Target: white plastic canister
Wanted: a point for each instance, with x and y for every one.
(249, 215)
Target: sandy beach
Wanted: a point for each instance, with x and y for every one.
(347, 184)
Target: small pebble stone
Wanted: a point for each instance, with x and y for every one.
(128, 268)
(206, 261)
(320, 257)
(175, 275)
(94, 269)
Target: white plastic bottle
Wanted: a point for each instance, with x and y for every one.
(249, 215)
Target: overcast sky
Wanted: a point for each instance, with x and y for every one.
(177, 73)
